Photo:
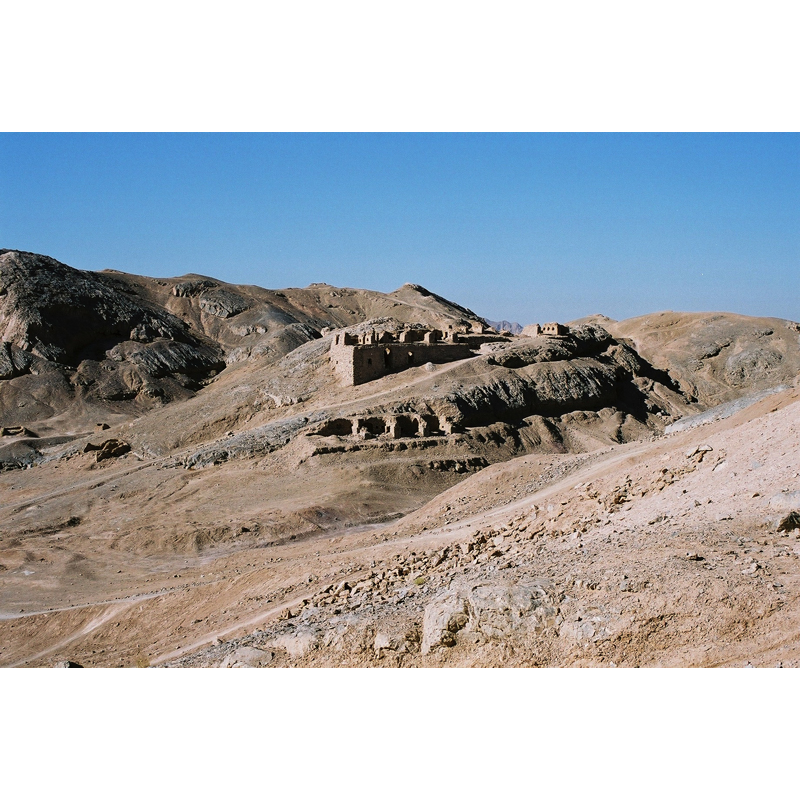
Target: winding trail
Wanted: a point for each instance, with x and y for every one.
(108, 609)
(208, 638)
(90, 626)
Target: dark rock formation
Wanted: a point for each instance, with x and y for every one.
(65, 315)
(69, 335)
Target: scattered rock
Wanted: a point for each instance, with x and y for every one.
(790, 522)
(698, 452)
(248, 657)
(111, 448)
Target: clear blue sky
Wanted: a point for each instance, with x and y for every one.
(532, 227)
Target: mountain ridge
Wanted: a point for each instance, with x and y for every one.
(154, 429)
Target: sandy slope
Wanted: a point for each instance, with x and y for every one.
(530, 534)
(638, 555)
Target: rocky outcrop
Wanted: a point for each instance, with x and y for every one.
(111, 448)
(221, 303)
(718, 357)
(488, 610)
(81, 337)
(193, 288)
(65, 315)
(791, 522)
(584, 372)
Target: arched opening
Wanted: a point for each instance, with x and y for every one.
(376, 426)
(336, 427)
(405, 427)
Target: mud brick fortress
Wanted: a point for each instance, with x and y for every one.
(361, 358)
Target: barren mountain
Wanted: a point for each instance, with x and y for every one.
(715, 358)
(182, 461)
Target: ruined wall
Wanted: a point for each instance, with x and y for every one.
(555, 329)
(369, 362)
(361, 363)
(548, 329)
(475, 340)
(392, 426)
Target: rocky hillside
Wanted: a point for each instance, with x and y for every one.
(207, 379)
(85, 347)
(718, 357)
(185, 445)
(674, 553)
(681, 551)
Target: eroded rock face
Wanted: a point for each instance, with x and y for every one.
(74, 337)
(443, 619)
(220, 303)
(63, 314)
(717, 357)
(248, 657)
(296, 644)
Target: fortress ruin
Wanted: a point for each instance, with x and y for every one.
(360, 358)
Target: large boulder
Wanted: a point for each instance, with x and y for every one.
(493, 609)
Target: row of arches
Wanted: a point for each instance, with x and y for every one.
(395, 426)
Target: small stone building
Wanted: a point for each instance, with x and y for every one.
(548, 329)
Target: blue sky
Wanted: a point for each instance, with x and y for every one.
(524, 227)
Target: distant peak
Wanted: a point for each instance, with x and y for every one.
(415, 287)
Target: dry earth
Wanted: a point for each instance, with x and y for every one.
(569, 520)
(657, 553)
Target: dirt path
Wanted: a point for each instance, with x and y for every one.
(92, 483)
(208, 638)
(90, 626)
(93, 604)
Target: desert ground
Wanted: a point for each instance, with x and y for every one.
(187, 481)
